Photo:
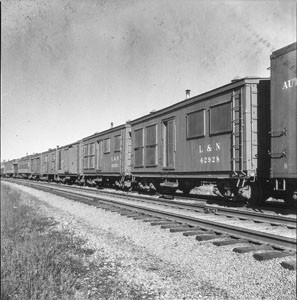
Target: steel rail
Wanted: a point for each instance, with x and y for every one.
(230, 230)
(240, 214)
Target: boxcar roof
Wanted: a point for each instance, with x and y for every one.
(27, 157)
(68, 145)
(202, 97)
(96, 134)
(52, 150)
(12, 161)
(284, 50)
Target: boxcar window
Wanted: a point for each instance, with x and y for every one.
(38, 162)
(92, 155)
(138, 149)
(85, 150)
(196, 124)
(151, 135)
(106, 145)
(85, 162)
(151, 145)
(89, 156)
(92, 149)
(220, 118)
(139, 138)
(117, 143)
(91, 162)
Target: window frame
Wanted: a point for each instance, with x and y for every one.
(119, 136)
(89, 152)
(106, 149)
(138, 147)
(151, 146)
(204, 124)
(210, 119)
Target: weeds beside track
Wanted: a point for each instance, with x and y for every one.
(39, 261)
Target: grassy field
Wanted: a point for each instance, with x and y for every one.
(41, 262)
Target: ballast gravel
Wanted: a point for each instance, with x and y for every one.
(167, 265)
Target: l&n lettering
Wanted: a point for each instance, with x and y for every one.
(209, 148)
(208, 151)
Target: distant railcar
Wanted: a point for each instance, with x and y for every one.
(106, 157)
(24, 167)
(284, 122)
(68, 163)
(11, 168)
(48, 165)
(35, 166)
(213, 137)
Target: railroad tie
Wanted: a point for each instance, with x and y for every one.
(194, 232)
(132, 215)
(206, 237)
(127, 213)
(170, 225)
(290, 265)
(182, 229)
(252, 248)
(151, 219)
(162, 222)
(271, 255)
(229, 242)
(141, 217)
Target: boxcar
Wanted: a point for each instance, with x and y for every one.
(220, 136)
(48, 161)
(35, 166)
(106, 157)
(24, 166)
(284, 121)
(68, 163)
(11, 168)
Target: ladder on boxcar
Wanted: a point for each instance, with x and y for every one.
(237, 135)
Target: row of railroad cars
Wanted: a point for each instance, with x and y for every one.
(241, 137)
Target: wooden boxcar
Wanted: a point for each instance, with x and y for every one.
(24, 165)
(11, 168)
(48, 161)
(106, 157)
(213, 137)
(284, 121)
(35, 166)
(68, 163)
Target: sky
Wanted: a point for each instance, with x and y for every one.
(71, 67)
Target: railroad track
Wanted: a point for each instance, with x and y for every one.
(201, 228)
(256, 217)
(242, 214)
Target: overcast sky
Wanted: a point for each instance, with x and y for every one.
(71, 67)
